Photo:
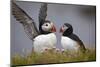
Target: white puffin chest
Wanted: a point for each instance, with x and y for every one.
(43, 42)
(69, 44)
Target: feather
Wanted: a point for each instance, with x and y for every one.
(42, 13)
(27, 22)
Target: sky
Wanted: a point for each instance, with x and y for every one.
(81, 17)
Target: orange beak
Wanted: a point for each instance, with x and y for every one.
(61, 30)
(53, 29)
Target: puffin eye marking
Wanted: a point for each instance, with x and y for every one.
(46, 25)
(65, 27)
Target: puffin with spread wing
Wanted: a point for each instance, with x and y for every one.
(44, 38)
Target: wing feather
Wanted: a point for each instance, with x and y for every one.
(43, 13)
(27, 22)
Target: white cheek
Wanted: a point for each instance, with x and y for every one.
(65, 28)
(51, 24)
(44, 28)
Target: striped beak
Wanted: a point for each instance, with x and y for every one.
(61, 30)
(53, 29)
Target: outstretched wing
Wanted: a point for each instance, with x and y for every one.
(25, 20)
(42, 13)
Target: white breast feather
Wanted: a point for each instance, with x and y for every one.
(43, 42)
(69, 44)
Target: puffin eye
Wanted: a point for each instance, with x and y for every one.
(46, 25)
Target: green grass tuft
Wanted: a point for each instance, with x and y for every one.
(52, 56)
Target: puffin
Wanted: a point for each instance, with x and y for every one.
(43, 37)
(69, 40)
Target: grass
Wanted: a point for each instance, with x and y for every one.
(52, 56)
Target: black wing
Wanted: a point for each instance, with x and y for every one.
(42, 13)
(76, 38)
(25, 20)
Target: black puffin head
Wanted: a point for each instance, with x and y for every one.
(66, 29)
(47, 27)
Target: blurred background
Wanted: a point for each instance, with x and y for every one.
(81, 17)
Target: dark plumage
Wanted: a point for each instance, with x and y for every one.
(67, 31)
